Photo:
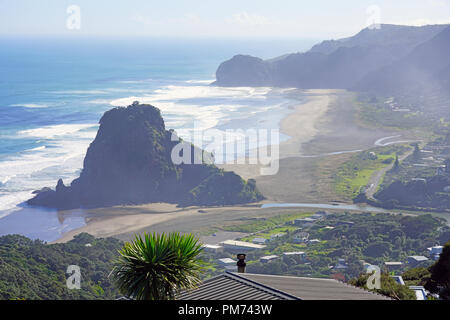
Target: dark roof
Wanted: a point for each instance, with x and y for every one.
(230, 286)
(314, 288)
(247, 286)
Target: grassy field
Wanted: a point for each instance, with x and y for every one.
(267, 234)
(258, 225)
(355, 173)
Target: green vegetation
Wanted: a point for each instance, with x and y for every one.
(389, 287)
(416, 276)
(375, 113)
(35, 270)
(440, 274)
(356, 238)
(261, 224)
(221, 188)
(420, 182)
(435, 278)
(155, 266)
(354, 175)
(378, 112)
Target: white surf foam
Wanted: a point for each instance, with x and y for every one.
(54, 131)
(60, 157)
(31, 105)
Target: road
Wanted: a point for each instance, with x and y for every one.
(376, 178)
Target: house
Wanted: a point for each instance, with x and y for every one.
(398, 279)
(373, 156)
(421, 293)
(341, 265)
(415, 260)
(322, 213)
(276, 236)
(306, 222)
(266, 259)
(366, 265)
(234, 245)
(316, 216)
(226, 261)
(301, 237)
(212, 248)
(345, 223)
(259, 240)
(435, 252)
(393, 265)
(247, 286)
(300, 254)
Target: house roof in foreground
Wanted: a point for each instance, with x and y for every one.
(230, 286)
(247, 286)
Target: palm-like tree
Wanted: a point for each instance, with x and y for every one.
(155, 266)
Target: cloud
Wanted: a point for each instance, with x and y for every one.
(249, 20)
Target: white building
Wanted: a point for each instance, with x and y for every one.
(413, 260)
(435, 252)
(421, 293)
(300, 254)
(393, 265)
(307, 222)
(266, 259)
(212, 248)
(398, 279)
(300, 237)
(259, 240)
(276, 236)
(226, 262)
(234, 245)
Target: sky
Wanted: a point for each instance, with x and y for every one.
(326, 19)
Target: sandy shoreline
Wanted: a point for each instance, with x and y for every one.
(300, 125)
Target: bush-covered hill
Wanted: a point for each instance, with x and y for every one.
(35, 270)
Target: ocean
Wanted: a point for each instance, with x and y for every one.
(53, 92)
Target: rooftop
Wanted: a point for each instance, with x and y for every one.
(259, 240)
(211, 246)
(293, 253)
(227, 261)
(269, 257)
(247, 286)
(418, 258)
(398, 279)
(393, 263)
(242, 244)
(230, 286)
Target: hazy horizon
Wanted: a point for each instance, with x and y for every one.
(186, 19)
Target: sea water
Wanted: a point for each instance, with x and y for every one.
(53, 92)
